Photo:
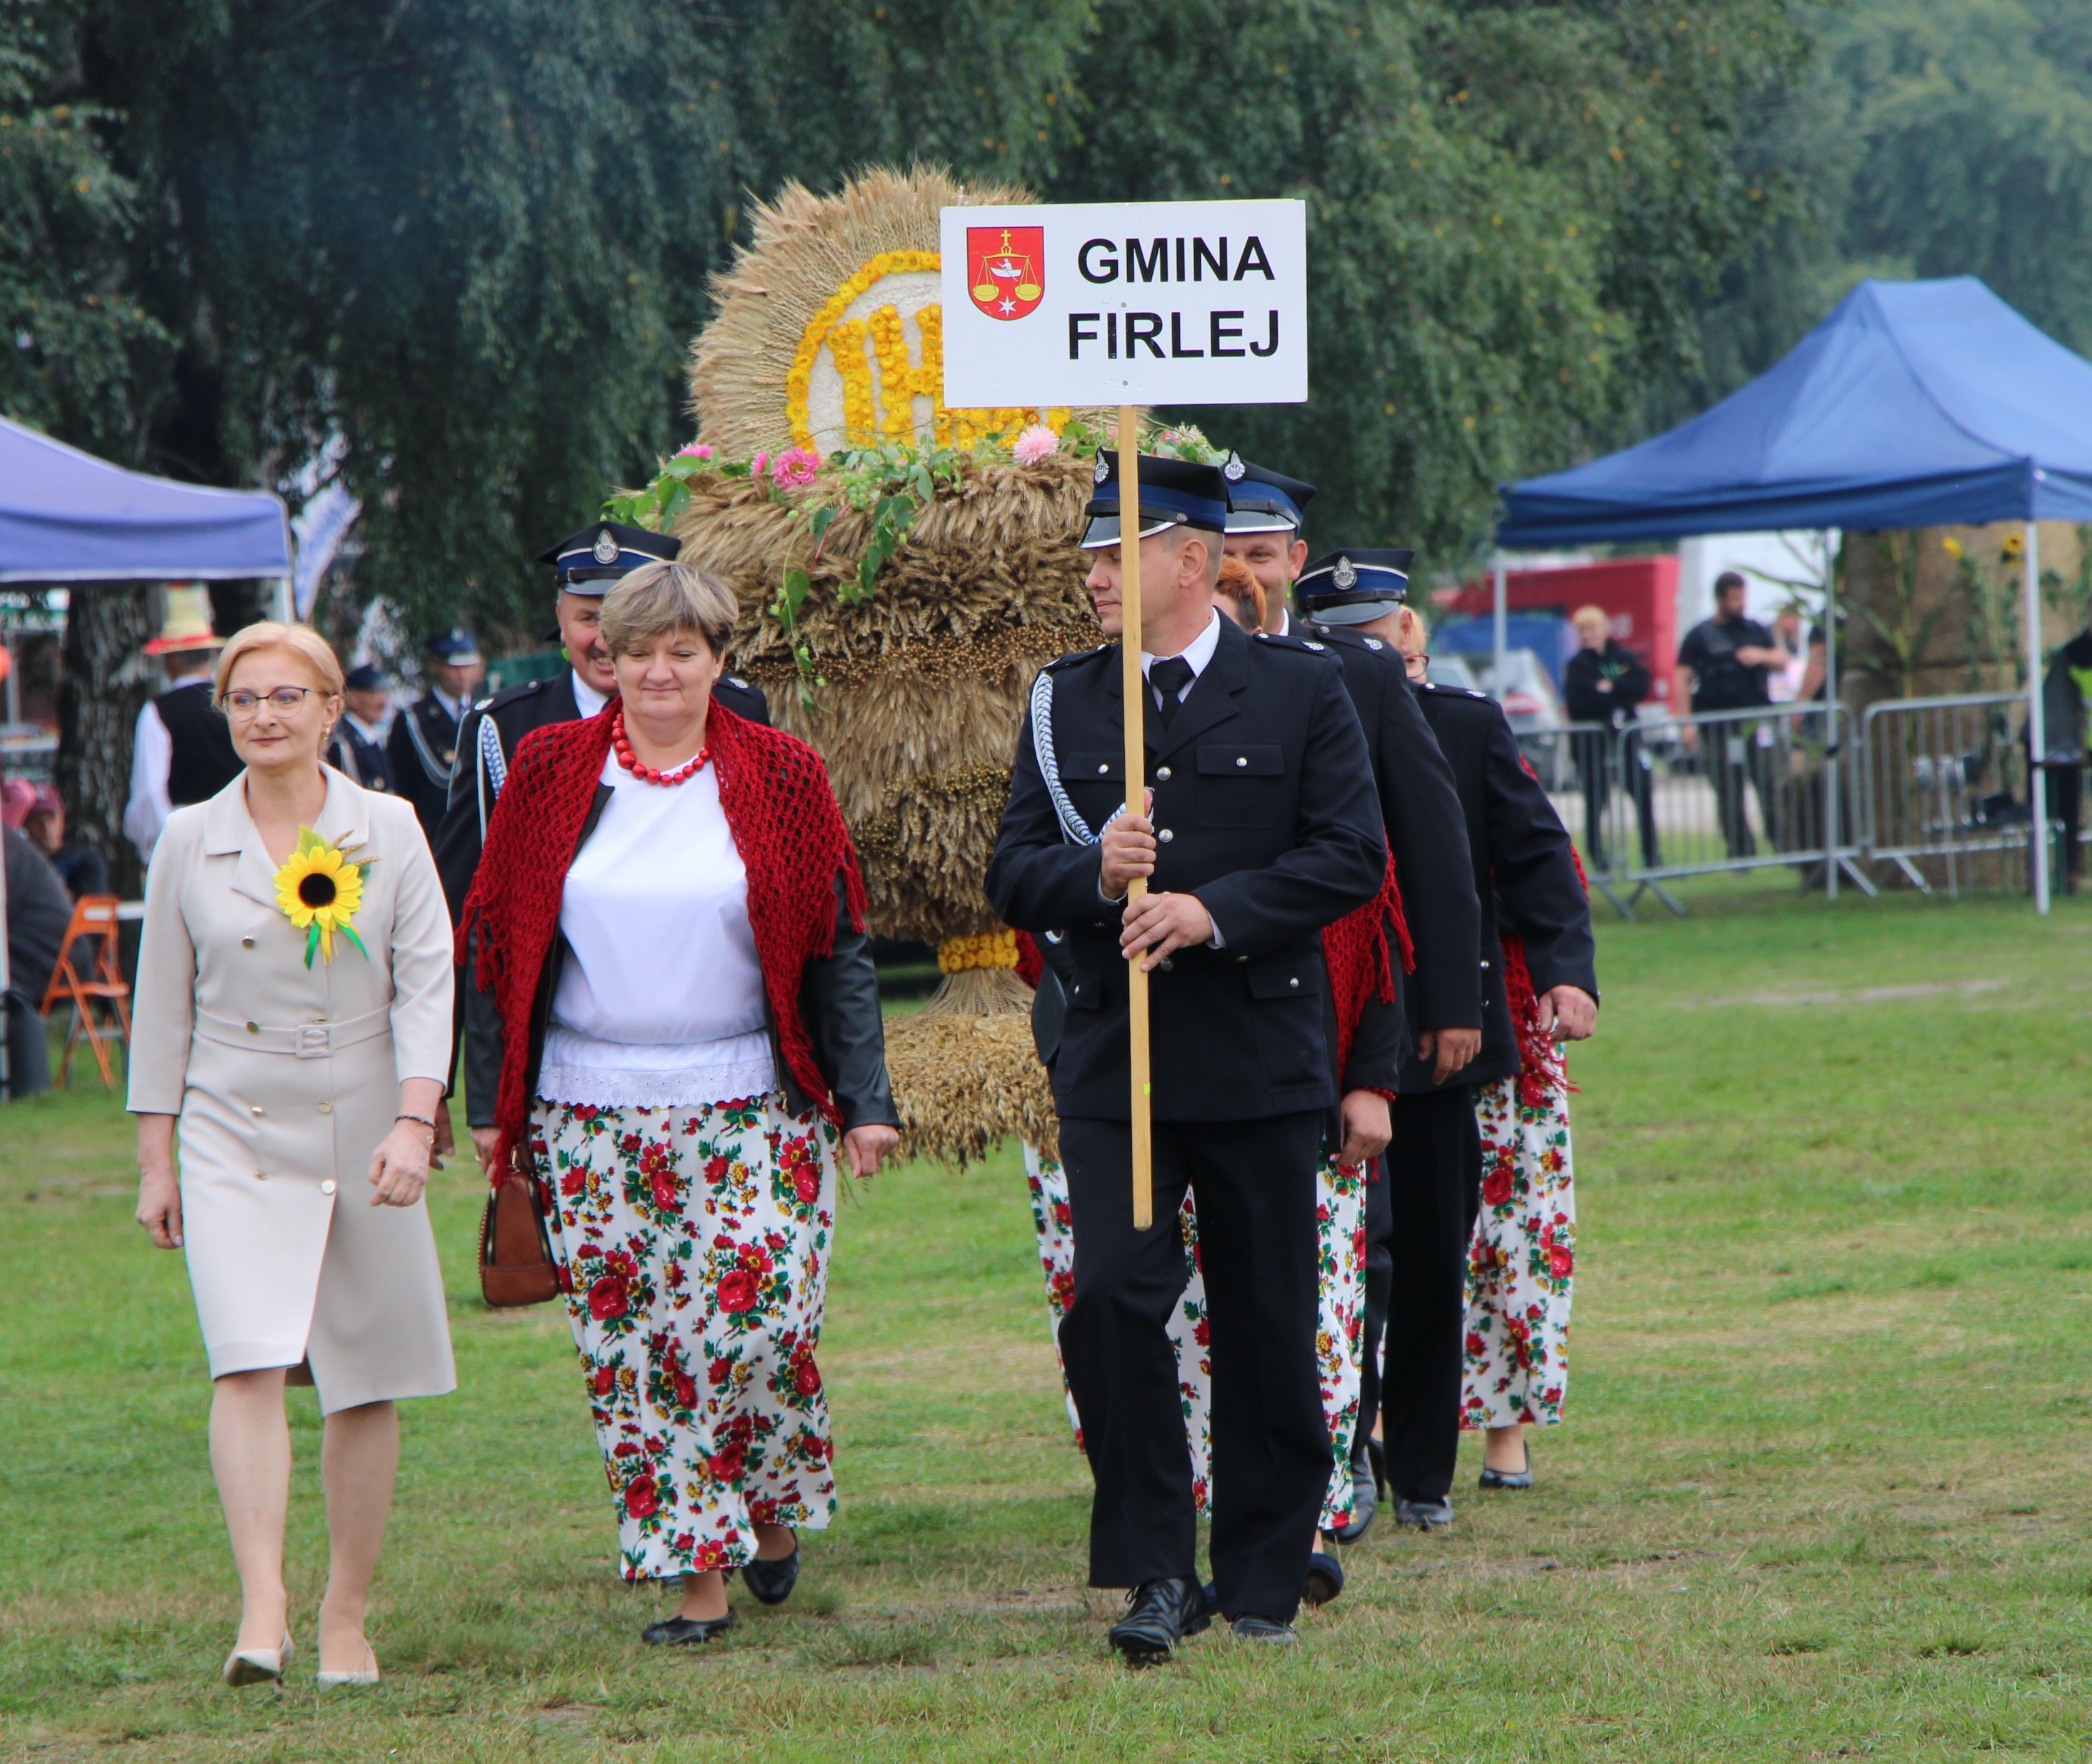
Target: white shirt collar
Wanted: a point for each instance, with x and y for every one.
(587, 700)
(457, 707)
(369, 731)
(1198, 652)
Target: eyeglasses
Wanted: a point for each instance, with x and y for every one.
(285, 700)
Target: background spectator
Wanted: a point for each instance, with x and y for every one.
(79, 867)
(1726, 660)
(38, 912)
(1604, 683)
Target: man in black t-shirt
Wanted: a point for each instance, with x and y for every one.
(1726, 659)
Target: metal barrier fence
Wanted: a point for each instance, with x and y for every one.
(1946, 789)
(1720, 791)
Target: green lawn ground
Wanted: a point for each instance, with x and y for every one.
(1823, 1493)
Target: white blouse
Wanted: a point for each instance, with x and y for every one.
(660, 1003)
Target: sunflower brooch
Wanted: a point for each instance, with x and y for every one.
(319, 890)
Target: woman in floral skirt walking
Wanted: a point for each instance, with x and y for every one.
(674, 1018)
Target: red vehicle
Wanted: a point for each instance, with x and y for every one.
(1639, 595)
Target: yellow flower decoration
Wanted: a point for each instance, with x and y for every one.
(319, 890)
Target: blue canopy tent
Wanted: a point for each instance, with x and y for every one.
(67, 516)
(1914, 403)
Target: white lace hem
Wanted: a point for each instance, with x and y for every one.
(642, 1088)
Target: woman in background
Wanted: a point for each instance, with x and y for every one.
(293, 1016)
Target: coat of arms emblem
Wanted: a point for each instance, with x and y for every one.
(1006, 269)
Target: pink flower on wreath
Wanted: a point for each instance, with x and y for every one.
(795, 468)
(697, 450)
(1036, 444)
(760, 464)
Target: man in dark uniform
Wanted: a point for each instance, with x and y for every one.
(1425, 831)
(358, 749)
(422, 748)
(584, 566)
(1523, 875)
(1262, 830)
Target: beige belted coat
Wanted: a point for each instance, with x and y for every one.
(285, 1079)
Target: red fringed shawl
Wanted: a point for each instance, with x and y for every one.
(1544, 1059)
(785, 825)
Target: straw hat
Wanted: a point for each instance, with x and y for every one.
(187, 624)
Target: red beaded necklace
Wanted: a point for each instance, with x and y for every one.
(652, 774)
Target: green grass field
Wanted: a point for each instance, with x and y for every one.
(1823, 1493)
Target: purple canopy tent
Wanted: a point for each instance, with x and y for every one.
(67, 516)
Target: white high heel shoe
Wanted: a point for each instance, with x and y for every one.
(258, 1666)
(368, 1675)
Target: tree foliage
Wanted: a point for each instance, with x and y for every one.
(471, 237)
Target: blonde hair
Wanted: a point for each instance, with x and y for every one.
(1586, 615)
(657, 600)
(301, 640)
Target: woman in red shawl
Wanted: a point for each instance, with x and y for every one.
(673, 1017)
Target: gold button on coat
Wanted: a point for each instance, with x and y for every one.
(254, 1028)
(260, 1175)
(327, 1187)
(247, 943)
(327, 1107)
(254, 1109)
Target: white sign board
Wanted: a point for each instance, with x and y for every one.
(1125, 303)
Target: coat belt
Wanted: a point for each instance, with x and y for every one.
(305, 1040)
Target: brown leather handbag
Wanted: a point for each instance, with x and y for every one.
(515, 1254)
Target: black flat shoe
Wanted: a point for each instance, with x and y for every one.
(685, 1632)
(1264, 1629)
(1365, 1502)
(1510, 1479)
(1423, 1515)
(1325, 1579)
(772, 1581)
(1159, 1614)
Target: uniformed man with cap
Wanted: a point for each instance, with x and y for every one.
(1261, 830)
(358, 750)
(1425, 831)
(1524, 873)
(584, 566)
(422, 748)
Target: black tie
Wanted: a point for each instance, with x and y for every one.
(1170, 676)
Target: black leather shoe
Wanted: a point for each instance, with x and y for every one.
(1510, 1479)
(1365, 1502)
(685, 1632)
(772, 1581)
(1159, 1614)
(1264, 1629)
(1377, 1459)
(1424, 1515)
(1325, 1579)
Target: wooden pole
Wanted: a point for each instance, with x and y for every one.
(1136, 775)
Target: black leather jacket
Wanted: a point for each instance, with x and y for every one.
(838, 1004)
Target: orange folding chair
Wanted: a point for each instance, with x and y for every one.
(93, 925)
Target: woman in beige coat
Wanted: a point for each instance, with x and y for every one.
(294, 1018)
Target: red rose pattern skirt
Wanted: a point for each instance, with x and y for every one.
(693, 1247)
(1524, 1253)
(1340, 1214)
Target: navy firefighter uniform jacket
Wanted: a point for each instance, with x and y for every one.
(1264, 808)
(1524, 873)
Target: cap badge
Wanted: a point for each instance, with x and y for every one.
(1235, 470)
(1104, 470)
(1345, 574)
(605, 549)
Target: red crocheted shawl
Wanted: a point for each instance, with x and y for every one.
(1354, 949)
(785, 825)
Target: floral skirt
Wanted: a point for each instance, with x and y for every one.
(693, 1247)
(1523, 1254)
(1340, 1213)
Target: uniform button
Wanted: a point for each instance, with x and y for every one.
(254, 1109)
(1167, 963)
(326, 1109)
(254, 1028)
(1295, 981)
(1485, 964)
(1242, 759)
(1102, 770)
(1162, 772)
(247, 943)
(1165, 835)
(327, 1187)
